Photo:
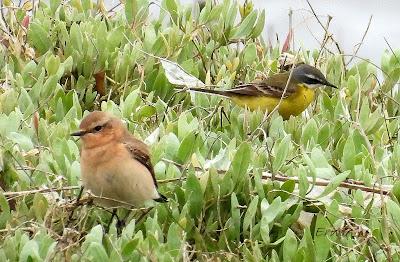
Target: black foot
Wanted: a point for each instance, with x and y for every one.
(120, 225)
(113, 214)
(76, 203)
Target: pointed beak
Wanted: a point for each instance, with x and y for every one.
(78, 133)
(331, 85)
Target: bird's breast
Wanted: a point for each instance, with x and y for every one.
(115, 174)
(294, 105)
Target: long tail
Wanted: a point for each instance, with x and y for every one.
(223, 93)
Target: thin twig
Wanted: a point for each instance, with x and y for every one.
(323, 182)
(43, 190)
(361, 42)
(391, 50)
(327, 33)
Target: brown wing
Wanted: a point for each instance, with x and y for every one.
(140, 152)
(274, 86)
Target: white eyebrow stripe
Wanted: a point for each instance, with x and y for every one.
(312, 76)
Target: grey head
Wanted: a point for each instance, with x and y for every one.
(310, 76)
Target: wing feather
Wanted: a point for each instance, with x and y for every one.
(274, 86)
(140, 152)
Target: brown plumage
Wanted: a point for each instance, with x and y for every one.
(114, 164)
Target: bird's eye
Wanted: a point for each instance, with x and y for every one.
(98, 128)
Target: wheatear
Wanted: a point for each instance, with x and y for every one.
(114, 164)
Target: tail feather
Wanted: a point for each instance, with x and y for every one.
(161, 199)
(223, 93)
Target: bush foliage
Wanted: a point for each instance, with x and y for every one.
(241, 186)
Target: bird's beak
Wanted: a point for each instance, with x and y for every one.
(78, 133)
(331, 85)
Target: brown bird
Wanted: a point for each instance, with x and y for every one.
(114, 164)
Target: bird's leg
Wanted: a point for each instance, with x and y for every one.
(113, 214)
(121, 223)
(224, 114)
(76, 202)
(79, 195)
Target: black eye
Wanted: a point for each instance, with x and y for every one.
(98, 128)
(312, 81)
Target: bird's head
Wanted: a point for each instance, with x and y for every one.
(99, 128)
(310, 76)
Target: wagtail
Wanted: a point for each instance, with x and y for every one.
(296, 89)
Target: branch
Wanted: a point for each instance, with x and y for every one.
(361, 42)
(322, 182)
(43, 190)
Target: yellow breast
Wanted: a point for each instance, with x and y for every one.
(292, 105)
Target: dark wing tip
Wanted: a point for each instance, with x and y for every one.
(161, 199)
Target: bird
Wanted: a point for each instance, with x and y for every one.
(296, 89)
(115, 166)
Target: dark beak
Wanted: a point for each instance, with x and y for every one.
(78, 133)
(331, 85)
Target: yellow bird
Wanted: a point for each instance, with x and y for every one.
(266, 94)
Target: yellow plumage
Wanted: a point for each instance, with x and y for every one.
(292, 105)
(295, 88)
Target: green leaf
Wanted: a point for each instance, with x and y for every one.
(87, 5)
(5, 213)
(394, 211)
(321, 241)
(95, 252)
(303, 181)
(174, 239)
(235, 216)
(231, 13)
(76, 37)
(396, 190)
(186, 148)
(131, 102)
(194, 195)
(249, 54)
(23, 141)
(271, 212)
(289, 246)
(30, 252)
(264, 230)
(335, 182)
(54, 4)
(310, 131)
(171, 144)
(129, 247)
(39, 37)
(185, 126)
(131, 9)
(95, 236)
(287, 188)
(281, 153)
(309, 244)
(258, 28)
(172, 8)
(246, 26)
(364, 113)
(146, 111)
(250, 214)
(39, 206)
(240, 162)
(349, 152)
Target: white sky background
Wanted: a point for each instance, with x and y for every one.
(349, 23)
